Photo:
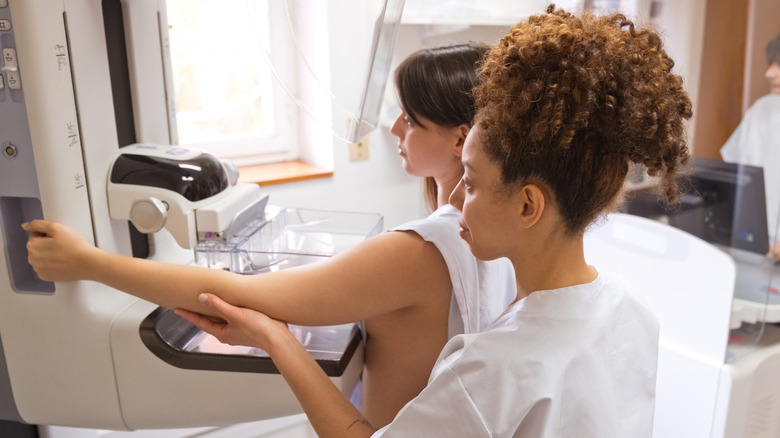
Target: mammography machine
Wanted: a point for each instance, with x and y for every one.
(84, 355)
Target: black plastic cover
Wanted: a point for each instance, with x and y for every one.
(166, 334)
(195, 179)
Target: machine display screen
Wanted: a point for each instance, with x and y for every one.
(724, 204)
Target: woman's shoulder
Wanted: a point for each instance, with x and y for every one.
(767, 104)
(441, 225)
(574, 320)
(586, 306)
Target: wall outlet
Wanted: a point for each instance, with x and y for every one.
(359, 151)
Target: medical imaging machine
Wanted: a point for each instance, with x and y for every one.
(86, 128)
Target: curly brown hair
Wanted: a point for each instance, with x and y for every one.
(569, 102)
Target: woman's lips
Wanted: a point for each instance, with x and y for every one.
(464, 230)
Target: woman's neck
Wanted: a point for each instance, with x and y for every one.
(552, 263)
(445, 186)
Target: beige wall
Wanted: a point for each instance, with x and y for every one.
(722, 75)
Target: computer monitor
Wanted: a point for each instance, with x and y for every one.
(724, 204)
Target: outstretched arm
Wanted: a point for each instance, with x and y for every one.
(58, 253)
(329, 412)
(392, 271)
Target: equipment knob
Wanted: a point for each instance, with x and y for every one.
(148, 215)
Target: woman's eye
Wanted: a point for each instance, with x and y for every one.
(408, 121)
(465, 183)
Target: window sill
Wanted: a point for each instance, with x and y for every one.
(278, 173)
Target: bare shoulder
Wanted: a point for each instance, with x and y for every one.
(400, 249)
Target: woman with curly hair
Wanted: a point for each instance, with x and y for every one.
(566, 104)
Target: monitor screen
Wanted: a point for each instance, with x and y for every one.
(724, 204)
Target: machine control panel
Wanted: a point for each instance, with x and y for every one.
(19, 193)
(9, 64)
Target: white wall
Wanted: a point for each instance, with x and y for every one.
(681, 25)
(378, 184)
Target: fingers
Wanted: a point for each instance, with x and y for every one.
(198, 320)
(218, 306)
(774, 253)
(38, 227)
(186, 314)
(241, 326)
(222, 330)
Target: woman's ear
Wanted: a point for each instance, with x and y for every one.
(461, 132)
(531, 203)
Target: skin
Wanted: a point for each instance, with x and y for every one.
(772, 75)
(522, 224)
(430, 161)
(398, 283)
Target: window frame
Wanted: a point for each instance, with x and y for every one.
(283, 144)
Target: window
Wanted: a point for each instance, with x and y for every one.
(227, 100)
(242, 98)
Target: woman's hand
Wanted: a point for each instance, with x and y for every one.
(238, 325)
(330, 413)
(56, 252)
(774, 252)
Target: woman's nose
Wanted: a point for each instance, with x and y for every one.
(456, 197)
(396, 129)
(772, 71)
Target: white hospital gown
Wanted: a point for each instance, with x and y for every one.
(578, 362)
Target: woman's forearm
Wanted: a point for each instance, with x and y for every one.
(165, 284)
(329, 411)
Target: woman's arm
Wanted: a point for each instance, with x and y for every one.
(329, 412)
(58, 253)
(388, 272)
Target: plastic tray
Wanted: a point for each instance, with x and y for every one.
(291, 237)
